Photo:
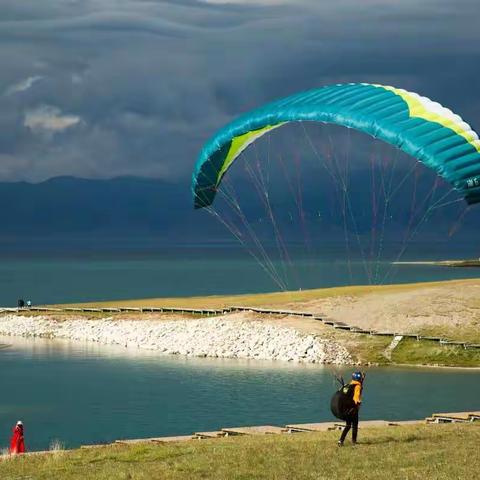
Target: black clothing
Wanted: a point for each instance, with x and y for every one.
(352, 423)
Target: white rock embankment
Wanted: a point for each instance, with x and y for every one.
(221, 337)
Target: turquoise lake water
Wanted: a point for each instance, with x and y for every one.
(85, 393)
(55, 273)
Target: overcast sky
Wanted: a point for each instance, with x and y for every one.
(103, 88)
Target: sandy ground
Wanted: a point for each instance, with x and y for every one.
(447, 307)
(444, 305)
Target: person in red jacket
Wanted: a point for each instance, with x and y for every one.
(17, 442)
(352, 418)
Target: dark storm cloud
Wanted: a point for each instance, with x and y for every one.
(124, 87)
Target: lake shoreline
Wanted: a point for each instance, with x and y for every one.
(297, 326)
(443, 263)
(232, 336)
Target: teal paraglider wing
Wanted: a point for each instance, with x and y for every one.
(420, 127)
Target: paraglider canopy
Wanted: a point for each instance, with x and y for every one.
(420, 127)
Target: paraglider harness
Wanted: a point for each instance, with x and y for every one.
(342, 404)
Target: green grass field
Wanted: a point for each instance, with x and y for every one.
(424, 352)
(407, 452)
(367, 349)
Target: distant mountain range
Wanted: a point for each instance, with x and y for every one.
(68, 205)
(135, 207)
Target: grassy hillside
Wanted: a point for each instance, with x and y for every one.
(272, 299)
(413, 452)
(364, 348)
